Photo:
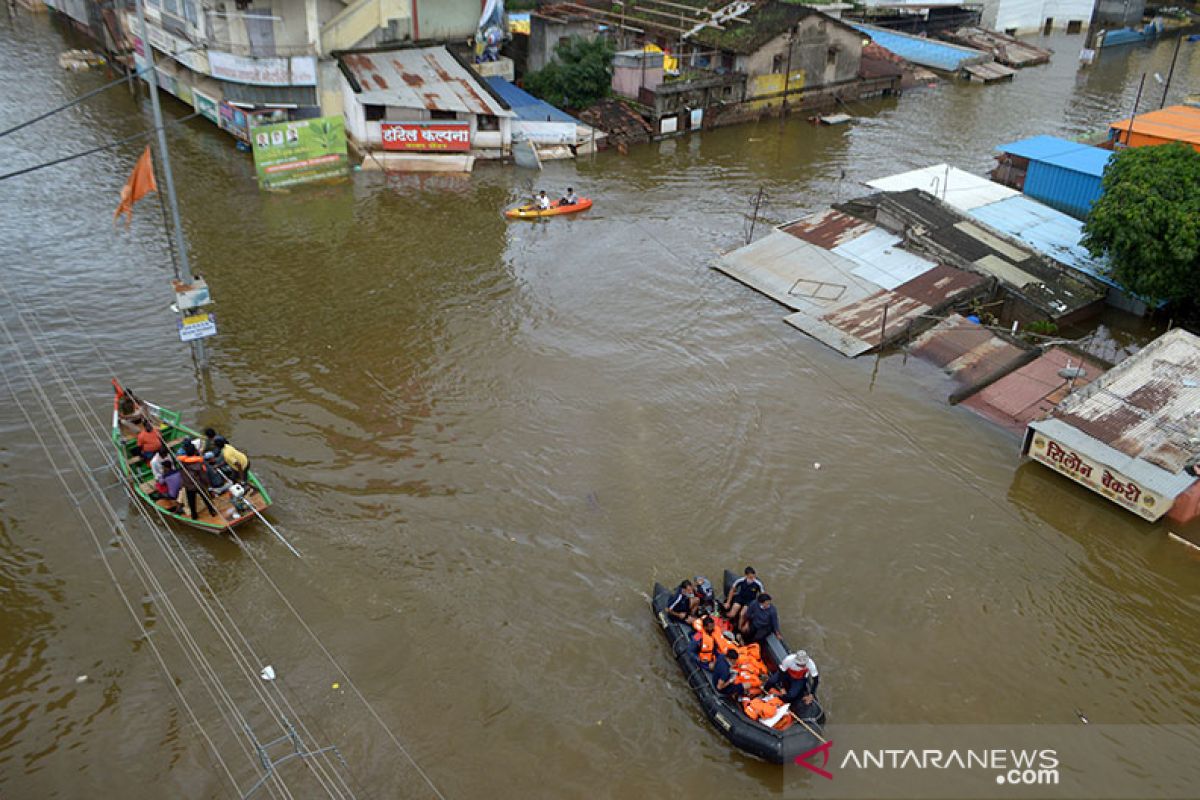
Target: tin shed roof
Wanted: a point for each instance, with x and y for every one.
(1147, 408)
(1176, 123)
(926, 52)
(1061, 153)
(960, 189)
(420, 77)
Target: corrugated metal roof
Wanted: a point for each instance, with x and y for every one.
(1060, 152)
(1177, 123)
(1046, 230)
(420, 77)
(954, 186)
(526, 106)
(966, 351)
(1142, 417)
(856, 327)
(1033, 390)
(827, 228)
(926, 52)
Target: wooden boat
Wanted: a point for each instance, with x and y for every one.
(222, 514)
(769, 744)
(529, 212)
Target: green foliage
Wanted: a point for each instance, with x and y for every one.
(580, 75)
(1042, 326)
(1148, 221)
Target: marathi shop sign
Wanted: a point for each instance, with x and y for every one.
(294, 71)
(1100, 479)
(303, 150)
(437, 136)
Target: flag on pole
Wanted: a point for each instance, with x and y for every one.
(140, 183)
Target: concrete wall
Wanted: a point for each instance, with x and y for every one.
(545, 34)
(1029, 16)
(822, 52)
(446, 20)
(1120, 13)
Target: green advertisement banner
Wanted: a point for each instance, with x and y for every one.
(288, 153)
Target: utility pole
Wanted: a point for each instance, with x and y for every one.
(1136, 100)
(183, 270)
(787, 74)
(1171, 71)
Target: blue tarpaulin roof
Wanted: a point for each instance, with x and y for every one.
(526, 106)
(1061, 153)
(926, 52)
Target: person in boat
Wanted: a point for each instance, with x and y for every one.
(707, 641)
(239, 464)
(195, 477)
(160, 462)
(569, 199)
(751, 672)
(128, 410)
(725, 675)
(742, 594)
(149, 442)
(796, 679)
(683, 603)
(169, 487)
(542, 202)
(210, 439)
(761, 620)
(218, 481)
(707, 597)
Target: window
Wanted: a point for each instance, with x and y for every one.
(437, 113)
(374, 113)
(487, 122)
(189, 11)
(777, 64)
(1075, 26)
(1010, 31)
(831, 58)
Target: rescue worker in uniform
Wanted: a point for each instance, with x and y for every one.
(796, 678)
(682, 606)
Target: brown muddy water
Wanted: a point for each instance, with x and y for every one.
(490, 439)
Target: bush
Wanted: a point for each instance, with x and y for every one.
(580, 75)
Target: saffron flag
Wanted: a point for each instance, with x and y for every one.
(140, 183)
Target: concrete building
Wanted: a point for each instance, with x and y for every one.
(1133, 434)
(237, 65)
(422, 109)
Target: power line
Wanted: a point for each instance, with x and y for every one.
(94, 150)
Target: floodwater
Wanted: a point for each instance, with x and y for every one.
(489, 440)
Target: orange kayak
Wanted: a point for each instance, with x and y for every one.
(583, 204)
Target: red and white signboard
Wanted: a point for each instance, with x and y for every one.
(435, 136)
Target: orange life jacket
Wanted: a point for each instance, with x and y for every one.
(707, 645)
(764, 708)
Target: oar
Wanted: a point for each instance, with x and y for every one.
(271, 528)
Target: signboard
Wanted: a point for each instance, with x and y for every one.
(181, 50)
(233, 119)
(197, 326)
(1100, 479)
(294, 71)
(207, 106)
(668, 125)
(546, 132)
(436, 136)
(302, 150)
(191, 295)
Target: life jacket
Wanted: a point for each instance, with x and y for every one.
(749, 675)
(707, 645)
(767, 711)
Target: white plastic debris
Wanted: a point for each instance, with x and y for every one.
(268, 673)
(816, 465)
(81, 679)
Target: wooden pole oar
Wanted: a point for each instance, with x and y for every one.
(271, 528)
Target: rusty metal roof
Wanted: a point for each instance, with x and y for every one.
(1146, 408)
(1034, 389)
(827, 228)
(420, 77)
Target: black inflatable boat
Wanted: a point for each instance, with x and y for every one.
(778, 747)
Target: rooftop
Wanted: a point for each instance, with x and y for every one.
(1177, 123)
(526, 106)
(418, 77)
(960, 189)
(925, 52)
(1063, 153)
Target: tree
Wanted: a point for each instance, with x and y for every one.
(580, 75)
(1148, 222)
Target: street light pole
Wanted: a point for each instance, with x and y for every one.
(183, 270)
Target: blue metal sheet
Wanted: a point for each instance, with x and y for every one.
(526, 106)
(1065, 189)
(1086, 159)
(1052, 232)
(1039, 147)
(926, 52)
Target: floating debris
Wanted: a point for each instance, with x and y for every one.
(80, 60)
